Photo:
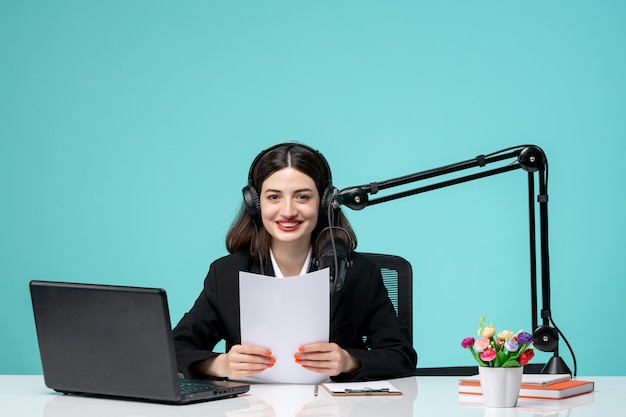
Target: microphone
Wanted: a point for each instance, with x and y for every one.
(334, 255)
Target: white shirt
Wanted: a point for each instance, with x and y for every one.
(305, 268)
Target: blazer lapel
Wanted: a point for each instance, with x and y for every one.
(335, 300)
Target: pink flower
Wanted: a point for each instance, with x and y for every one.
(488, 355)
(482, 343)
(467, 342)
(526, 356)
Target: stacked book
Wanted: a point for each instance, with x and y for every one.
(547, 391)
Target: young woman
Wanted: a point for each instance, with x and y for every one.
(277, 232)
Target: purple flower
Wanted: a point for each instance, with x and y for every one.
(511, 345)
(524, 338)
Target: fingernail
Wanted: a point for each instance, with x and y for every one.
(301, 349)
(272, 361)
(297, 356)
(268, 353)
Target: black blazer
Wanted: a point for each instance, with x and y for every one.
(361, 308)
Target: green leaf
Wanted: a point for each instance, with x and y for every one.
(477, 357)
(501, 358)
(512, 363)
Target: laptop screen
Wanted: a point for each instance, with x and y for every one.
(106, 340)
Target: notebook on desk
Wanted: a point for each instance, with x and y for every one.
(113, 341)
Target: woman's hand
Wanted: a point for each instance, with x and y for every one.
(326, 358)
(240, 361)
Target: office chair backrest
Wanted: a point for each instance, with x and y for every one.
(398, 278)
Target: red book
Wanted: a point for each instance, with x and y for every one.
(557, 390)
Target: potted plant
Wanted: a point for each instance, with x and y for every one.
(501, 357)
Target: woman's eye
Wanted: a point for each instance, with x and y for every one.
(272, 196)
(304, 197)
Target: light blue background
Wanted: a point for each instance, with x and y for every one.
(127, 129)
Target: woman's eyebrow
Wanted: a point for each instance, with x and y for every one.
(301, 190)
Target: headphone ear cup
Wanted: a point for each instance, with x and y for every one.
(326, 200)
(252, 201)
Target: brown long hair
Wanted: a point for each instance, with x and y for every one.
(246, 233)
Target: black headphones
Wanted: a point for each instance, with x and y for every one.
(251, 198)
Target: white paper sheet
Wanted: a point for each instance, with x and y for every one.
(282, 314)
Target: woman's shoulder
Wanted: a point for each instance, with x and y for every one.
(227, 267)
(362, 259)
(363, 262)
(240, 259)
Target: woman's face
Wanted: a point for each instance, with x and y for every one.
(289, 206)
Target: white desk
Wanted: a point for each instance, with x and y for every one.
(27, 396)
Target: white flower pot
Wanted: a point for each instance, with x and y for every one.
(500, 386)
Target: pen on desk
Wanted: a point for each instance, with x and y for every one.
(315, 389)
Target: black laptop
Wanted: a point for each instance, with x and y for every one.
(114, 341)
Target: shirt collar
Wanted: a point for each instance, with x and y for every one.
(305, 268)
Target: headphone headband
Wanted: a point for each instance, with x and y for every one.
(251, 196)
(271, 148)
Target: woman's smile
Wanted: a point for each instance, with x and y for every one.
(288, 225)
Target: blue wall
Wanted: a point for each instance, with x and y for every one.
(127, 129)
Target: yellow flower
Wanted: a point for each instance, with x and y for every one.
(505, 335)
(488, 331)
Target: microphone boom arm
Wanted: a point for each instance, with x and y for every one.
(357, 198)
(530, 158)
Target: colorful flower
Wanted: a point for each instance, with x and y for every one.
(503, 349)
(488, 355)
(524, 338)
(511, 345)
(482, 343)
(526, 356)
(467, 342)
(505, 335)
(488, 331)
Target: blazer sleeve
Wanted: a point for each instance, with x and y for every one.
(201, 328)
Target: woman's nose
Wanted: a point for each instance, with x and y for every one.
(288, 209)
